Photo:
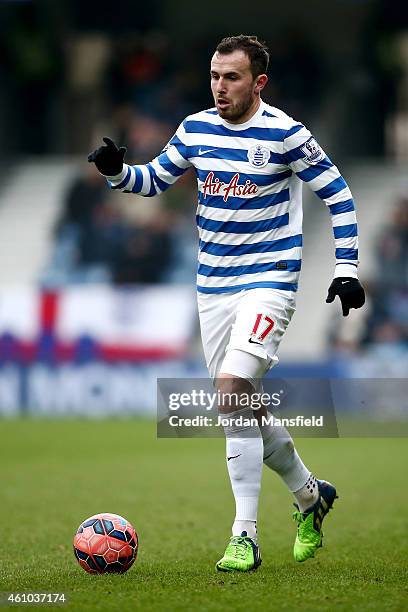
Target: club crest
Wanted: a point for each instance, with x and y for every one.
(258, 156)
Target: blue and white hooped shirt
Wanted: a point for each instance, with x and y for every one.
(249, 213)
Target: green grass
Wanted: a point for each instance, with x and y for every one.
(177, 494)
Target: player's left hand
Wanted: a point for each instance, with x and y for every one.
(350, 292)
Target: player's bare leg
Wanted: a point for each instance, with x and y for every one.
(244, 448)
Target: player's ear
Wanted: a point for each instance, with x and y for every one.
(260, 83)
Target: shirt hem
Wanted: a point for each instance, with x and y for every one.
(235, 288)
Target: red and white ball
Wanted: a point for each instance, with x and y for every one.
(106, 543)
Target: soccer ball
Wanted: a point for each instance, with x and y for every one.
(106, 543)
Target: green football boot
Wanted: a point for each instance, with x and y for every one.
(309, 535)
(242, 554)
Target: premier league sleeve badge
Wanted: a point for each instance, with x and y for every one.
(313, 153)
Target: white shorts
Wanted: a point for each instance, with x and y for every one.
(252, 321)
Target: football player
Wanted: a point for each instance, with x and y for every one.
(250, 160)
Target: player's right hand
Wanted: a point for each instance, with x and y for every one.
(108, 158)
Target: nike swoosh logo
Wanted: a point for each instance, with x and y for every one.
(253, 342)
(200, 152)
(233, 457)
(344, 282)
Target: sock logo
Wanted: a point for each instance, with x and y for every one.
(233, 457)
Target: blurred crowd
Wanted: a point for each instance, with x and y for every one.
(381, 327)
(107, 237)
(103, 236)
(387, 322)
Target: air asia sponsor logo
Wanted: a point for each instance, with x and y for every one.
(213, 186)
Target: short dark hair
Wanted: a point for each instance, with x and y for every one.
(256, 50)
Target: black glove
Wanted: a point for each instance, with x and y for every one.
(350, 292)
(108, 158)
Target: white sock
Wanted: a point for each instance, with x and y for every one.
(244, 462)
(281, 456)
(308, 495)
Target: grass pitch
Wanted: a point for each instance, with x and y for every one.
(177, 494)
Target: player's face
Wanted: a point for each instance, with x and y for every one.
(235, 91)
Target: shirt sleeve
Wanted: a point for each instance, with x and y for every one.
(158, 175)
(306, 158)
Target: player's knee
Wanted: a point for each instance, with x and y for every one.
(231, 392)
(242, 365)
